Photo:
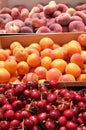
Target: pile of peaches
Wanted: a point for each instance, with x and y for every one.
(45, 60)
(43, 18)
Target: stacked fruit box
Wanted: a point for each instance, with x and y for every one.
(43, 65)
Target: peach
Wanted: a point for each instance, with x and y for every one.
(26, 29)
(66, 78)
(80, 7)
(19, 7)
(62, 7)
(28, 22)
(2, 31)
(40, 6)
(70, 11)
(15, 13)
(41, 72)
(82, 15)
(53, 74)
(24, 14)
(55, 27)
(50, 8)
(60, 64)
(39, 20)
(77, 58)
(56, 13)
(73, 69)
(13, 26)
(50, 21)
(43, 29)
(76, 26)
(4, 19)
(5, 10)
(75, 18)
(35, 9)
(63, 19)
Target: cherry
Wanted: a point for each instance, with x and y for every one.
(50, 125)
(9, 114)
(62, 120)
(27, 93)
(25, 114)
(6, 107)
(34, 118)
(28, 123)
(17, 105)
(19, 89)
(51, 98)
(35, 94)
(71, 125)
(68, 114)
(42, 116)
(14, 123)
(54, 114)
(4, 125)
(62, 128)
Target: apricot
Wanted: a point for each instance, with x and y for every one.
(82, 39)
(46, 62)
(35, 46)
(60, 64)
(77, 59)
(46, 42)
(82, 77)
(33, 60)
(73, 47)
(4, 76)
(53, 74)
(22, 68)
(66, 78)
(46, 52)
(11, 66)
(41, 72)
(57, 53)
(73, 69)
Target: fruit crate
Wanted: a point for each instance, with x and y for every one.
(42, 17)
(26, 40)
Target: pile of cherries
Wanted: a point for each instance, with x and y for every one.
(42, 106)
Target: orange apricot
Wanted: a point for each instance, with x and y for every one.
(53, 74)
(22, 68)
(74, 47)
(82, 77)
(73, 69)
(59, 64)
(11, 66)
(31, 50)
(33, 60)
(77, 59)
(14, 44)
(46, 42)
(35, 46)
(2, 64)
(66, 78)
(46, 62)
(4, 76)
(46, 52)
(82, 39)
(41, 72)
(57, 53)
(21, 55)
